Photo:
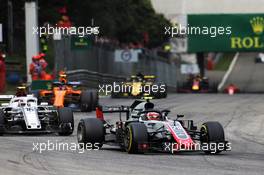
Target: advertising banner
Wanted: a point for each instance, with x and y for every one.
(80, 43)
(127, 55)
(225, 32)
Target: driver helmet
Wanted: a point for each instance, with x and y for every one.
(153, 116)
(198, 76)
(63, 77)
(21, 91)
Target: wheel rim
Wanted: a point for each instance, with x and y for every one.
(204, 134)
(80, 132)
(128, 139)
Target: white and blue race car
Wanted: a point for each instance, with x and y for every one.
(23, 114)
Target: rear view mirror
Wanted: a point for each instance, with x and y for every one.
(180, 116)
(165, 112)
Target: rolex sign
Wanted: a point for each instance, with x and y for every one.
(226, 32)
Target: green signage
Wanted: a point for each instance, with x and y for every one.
(41, 85)
(225, 32)
(80, 43)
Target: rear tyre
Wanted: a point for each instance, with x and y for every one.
(86, 101)
(164, 94)
(212, 132)
(136, 133)
(161, 93)
(257, 60)
(95, 99)
(117, 94)
(2, 122)
(66, 121)
(90, 131)
(114, 95)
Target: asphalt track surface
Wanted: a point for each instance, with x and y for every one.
(241, 115)
(246, 74)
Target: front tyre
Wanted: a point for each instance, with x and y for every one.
(2, 122)
(90, 131)
(86, 101)
(66, 121)
(212, 132)
(95, 99)
(135, 134)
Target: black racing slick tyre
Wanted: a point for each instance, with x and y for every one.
(163, 91)
(66, 121)
(114, 95)
(135, 134)
(2, 122)
(163, 94)
(86, 101)
(212, 132)
(118, 94)
(95, 99)
(90, 131)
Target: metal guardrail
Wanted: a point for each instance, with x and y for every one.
(92, 79)
(97, 65)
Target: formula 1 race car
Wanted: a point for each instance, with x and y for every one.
(64, 93)
(260, 58)
(231, 89)
(197, 85)
(23, 115)
(149, 129)
(139, 86)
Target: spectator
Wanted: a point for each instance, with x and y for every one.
(36, 69)
(43, 61)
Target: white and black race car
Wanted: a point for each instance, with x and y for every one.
(149, 129)
(259, 58)
(23, 115)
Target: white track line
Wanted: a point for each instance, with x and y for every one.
(228, 72)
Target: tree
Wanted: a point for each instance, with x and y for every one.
(125, 20)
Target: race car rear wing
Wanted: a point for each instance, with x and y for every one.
(149, 76)
(6, 97)
(144, 76)
(74, 83)
(112, 109)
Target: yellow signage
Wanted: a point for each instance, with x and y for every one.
(249, 42)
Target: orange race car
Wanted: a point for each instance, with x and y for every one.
(64, 93)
